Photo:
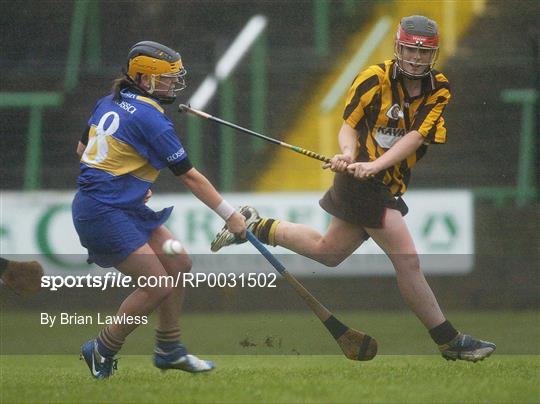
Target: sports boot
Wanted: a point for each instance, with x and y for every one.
(464, 347)
(178, 358)
(101, 367)
(225, 237)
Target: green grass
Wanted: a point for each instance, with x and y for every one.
(267, 333)
(408, 370)
(387, 379)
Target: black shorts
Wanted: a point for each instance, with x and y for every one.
(360, 202)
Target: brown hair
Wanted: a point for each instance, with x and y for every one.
(118, 84)
(123, 82)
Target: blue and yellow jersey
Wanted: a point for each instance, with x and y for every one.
(129, 141)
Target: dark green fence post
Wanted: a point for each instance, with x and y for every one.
(94, 38)
(259, 89)
(321, 23)
(227, 149)
(526, 190)
(36, 102)
(75, 44)
(32, 173)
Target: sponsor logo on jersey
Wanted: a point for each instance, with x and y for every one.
(127, 106)
(386, 137)
(175, 156)
(394, 112)
(128, 94)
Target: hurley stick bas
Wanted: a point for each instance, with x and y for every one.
(355, 344)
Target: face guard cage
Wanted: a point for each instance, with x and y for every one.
(177, 84)
(422, 49)
(418, 56)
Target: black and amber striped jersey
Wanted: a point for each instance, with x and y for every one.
(381, 111)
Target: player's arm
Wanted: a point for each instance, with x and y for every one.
(347, 139)
(81, 146)
(403, 148)
(199, 185)
(169, 147)
(363, 93)
(428, 127)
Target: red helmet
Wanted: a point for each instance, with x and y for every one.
(417, 45)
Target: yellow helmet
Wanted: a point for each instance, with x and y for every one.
(156, 60)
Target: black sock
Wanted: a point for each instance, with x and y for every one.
(3, 265)
(443, 333)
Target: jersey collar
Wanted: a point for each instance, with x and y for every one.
(133, 93)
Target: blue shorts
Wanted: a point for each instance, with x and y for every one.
(109, 233)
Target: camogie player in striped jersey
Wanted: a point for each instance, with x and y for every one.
(394, 111)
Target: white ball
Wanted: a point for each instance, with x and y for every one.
(172, 247)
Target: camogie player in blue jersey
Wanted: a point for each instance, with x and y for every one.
(128, 141)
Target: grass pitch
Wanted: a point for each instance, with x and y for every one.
(285, 379)
(262, 372)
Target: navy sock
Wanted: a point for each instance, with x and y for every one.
(168, 346)
(443, 333)
(103, 350)
(107, 344)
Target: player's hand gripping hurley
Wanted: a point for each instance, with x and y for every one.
(355, 344)
(202, 114)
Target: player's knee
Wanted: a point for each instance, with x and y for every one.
(407, 263)
(182, 265)
(156, 287)
(186, 264)
(331, 260)
(327, 255)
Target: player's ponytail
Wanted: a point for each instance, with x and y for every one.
(119, 84)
